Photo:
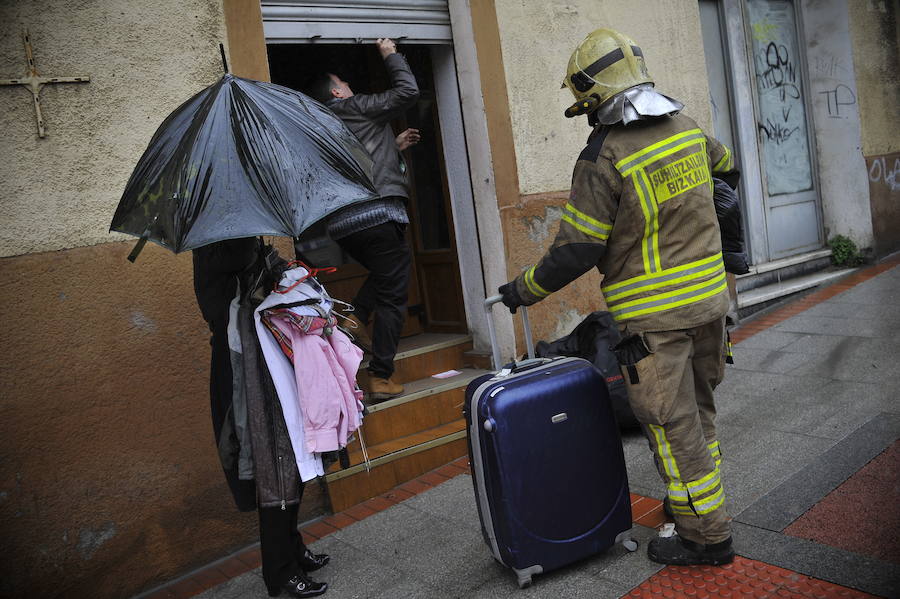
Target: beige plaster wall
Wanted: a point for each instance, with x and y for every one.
(537, 39)
(109, 479)
(875, 31)
(144, 59)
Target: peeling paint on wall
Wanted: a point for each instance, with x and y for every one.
(567, 321)
(89, 541)
(540, 228)
(141, 321)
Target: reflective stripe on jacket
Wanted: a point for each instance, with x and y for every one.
(641, 211)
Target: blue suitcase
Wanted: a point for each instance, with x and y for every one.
(547, 462)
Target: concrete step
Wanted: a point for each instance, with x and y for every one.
(424, 404)
(421, 356)
(391, 464)
(405, 437)
(761, 275)
(781, 289)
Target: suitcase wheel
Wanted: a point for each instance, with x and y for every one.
(630, 545)
(524, 581)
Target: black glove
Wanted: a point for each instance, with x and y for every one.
(511, 297)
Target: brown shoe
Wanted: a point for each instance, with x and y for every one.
(379, 389)
(360, 335)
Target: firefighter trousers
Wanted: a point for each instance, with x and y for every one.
(672, 398)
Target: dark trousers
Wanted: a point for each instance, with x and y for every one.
(382, 249)
(281, 544)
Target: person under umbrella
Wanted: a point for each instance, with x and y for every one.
(243, 159)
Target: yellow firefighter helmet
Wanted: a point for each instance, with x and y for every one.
(604, 64)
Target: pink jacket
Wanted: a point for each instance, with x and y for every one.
(325, 369)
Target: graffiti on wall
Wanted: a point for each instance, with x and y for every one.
(885, 170)
(782, 111)
(884, 199)
(831, 75)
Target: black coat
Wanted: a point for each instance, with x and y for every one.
(592, 340)
(218, 268)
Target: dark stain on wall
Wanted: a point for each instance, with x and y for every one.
(109, 479)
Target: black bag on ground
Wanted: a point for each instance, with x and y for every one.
(593, 340)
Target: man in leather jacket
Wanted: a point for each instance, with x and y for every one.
(373, 232)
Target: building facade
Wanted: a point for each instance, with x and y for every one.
(109, 482)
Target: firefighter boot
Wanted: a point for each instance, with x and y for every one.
(679, 551)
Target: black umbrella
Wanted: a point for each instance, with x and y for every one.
(242, 158)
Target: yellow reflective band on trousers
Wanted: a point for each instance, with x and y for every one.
(665, 452)
(668, 300)
(710, 503)
(715, 453)
(700, 496)
(692, 271)
(532, 285)
(586, 224)
(688, 498)
(705, 484)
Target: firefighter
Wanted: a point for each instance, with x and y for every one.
(641, 211)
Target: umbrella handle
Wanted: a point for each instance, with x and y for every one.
(224, 60)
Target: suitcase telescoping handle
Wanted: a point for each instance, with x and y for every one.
(495, 349)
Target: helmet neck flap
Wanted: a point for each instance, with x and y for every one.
(637, 103)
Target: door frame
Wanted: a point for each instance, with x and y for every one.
(744, 115)
(806, 96)
(744, 109)
(476, 213)
(462, 151)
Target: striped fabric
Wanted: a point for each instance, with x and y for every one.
(366, 215)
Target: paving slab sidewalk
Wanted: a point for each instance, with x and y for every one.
(813, 397)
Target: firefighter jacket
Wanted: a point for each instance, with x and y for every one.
(641, 211)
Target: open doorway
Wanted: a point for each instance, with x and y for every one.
(435, 291)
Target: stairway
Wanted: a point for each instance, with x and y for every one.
(415, 432)
(772, 282)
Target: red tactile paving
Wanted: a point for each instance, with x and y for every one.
(860, 515)
(742, 579)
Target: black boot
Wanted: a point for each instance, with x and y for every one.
(310, 562)
(301, 586)
(682, 552)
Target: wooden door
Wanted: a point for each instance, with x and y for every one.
(435, 296)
